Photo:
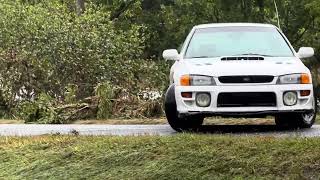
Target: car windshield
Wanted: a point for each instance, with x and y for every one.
(237, 41)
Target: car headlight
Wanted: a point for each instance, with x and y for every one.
(196, 80)
(294, 79)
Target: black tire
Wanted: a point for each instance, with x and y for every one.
(284, 120)
(298, 120)
(179, 124)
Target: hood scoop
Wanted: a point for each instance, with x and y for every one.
(242, 58)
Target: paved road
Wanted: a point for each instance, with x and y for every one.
(247, 130)
(39, 129)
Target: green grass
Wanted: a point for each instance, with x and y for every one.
(184, 156)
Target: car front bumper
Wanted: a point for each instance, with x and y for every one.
(188, 106)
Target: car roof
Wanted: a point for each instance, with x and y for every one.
(233, 25)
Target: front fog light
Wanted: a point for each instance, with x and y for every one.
(290, 98)
(203, 99)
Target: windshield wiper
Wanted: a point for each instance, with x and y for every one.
(253, 54)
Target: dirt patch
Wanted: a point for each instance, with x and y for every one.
(123, 121)
(239, 121)
(208, 121)
(11, 121)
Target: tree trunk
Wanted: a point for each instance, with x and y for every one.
(261, 10)
(80, 6)
(246, 9)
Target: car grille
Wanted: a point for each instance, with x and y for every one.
(245, 79)
(247, 99)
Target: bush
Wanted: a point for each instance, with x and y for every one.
(45, 49)
(51, 57)
(41, 110)
(105, 94)
(46, 110)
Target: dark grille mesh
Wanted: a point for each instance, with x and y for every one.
(247, 99)
(245, 79)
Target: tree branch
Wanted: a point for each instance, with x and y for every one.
(121, 9)
(299, 37)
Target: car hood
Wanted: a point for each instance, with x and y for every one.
(268, 66)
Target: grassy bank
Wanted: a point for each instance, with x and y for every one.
(172, 157)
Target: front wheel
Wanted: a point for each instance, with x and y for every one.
(306, 120)
(298, 120)
(179, 124)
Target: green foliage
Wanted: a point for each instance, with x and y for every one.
(71, 93)
(105, 94)
(45, 49)
(46, 110)
(41, 110)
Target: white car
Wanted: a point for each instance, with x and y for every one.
(239, 69)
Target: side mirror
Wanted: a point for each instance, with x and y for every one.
(170, 54)
(305, 52)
